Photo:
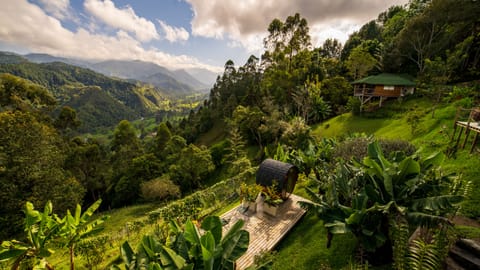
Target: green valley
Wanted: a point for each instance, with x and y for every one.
(367, 126)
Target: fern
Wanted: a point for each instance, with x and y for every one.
(399, 236)
(423, 256)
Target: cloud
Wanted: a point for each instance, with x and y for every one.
(38, 32)
(58, 8)
(173, 34)
(123, 19)
(244, 21)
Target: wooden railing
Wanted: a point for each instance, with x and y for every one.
(364, 92)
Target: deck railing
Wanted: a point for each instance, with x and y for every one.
(364, 92)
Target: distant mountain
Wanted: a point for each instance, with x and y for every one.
(205, 76)
(183, 76)
(100, 101)
(128, 69)
(46, 58)
(168, 83)
(11, 58)
(179, 82)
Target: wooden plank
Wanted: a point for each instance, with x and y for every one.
(265, 231)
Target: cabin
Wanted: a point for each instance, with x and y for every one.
(383, 86)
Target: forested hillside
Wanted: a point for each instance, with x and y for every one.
(100, 100)
(373, 190)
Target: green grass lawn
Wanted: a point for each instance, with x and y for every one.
(432, 134)
(305, 248)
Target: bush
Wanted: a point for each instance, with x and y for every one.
(218, 151)
(354, 105)
(357, 147)
(159, 189)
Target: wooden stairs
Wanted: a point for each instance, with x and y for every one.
(465, 254)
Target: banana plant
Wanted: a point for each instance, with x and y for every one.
(212, 250)
(399, 189)
(151, 255)
(75, 228)
(40, 228)
(189, 248)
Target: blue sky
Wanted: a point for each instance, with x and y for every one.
(171, 33)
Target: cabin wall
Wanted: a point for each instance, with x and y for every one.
(382, 92)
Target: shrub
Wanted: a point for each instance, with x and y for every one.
(354, 105)
(159, 189)
(357, 147)
(218, 152)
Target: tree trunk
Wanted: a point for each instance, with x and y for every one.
(72, 258)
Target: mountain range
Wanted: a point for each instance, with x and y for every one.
(176, 82)
(100, 101)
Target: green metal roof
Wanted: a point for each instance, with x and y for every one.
(386, 79)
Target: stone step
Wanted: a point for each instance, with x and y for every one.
(470, 245)
(464, 258)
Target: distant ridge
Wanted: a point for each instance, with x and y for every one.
(177, 82)
(150, 73)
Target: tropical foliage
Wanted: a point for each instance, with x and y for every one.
(375, 197)
(44, 230)
(187, 248)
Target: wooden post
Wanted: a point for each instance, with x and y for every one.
(474, 142)
(467, 132)
(459, 136)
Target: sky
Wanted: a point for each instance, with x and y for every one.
(172, 33)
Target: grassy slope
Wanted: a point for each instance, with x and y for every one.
(432, 134)
(304, 247)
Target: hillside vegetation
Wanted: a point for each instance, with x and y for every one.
(101, 101)
(358, 163)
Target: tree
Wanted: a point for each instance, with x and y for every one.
(336, 91)
(360, 62)
(193, 165)
(88, 161)
(141, 169)
(248, 120)
(331, 48)
(17, 94)
(33, 159)
(125, 135)
(67, 119)
(125, 147)
(161, 139)
(296, 36)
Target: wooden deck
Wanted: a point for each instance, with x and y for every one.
(265, 231)
(466, 124)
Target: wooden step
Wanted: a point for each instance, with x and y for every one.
(470, 245)
(465, 258)
(451, 264)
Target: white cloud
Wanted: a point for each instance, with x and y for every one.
(173, 34)
(244, 21)
(58, 8)
(38, 32)
(338, 29)
(123, 19)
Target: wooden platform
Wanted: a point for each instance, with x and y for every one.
(265, 231)
(465, 128)
(466, 120)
